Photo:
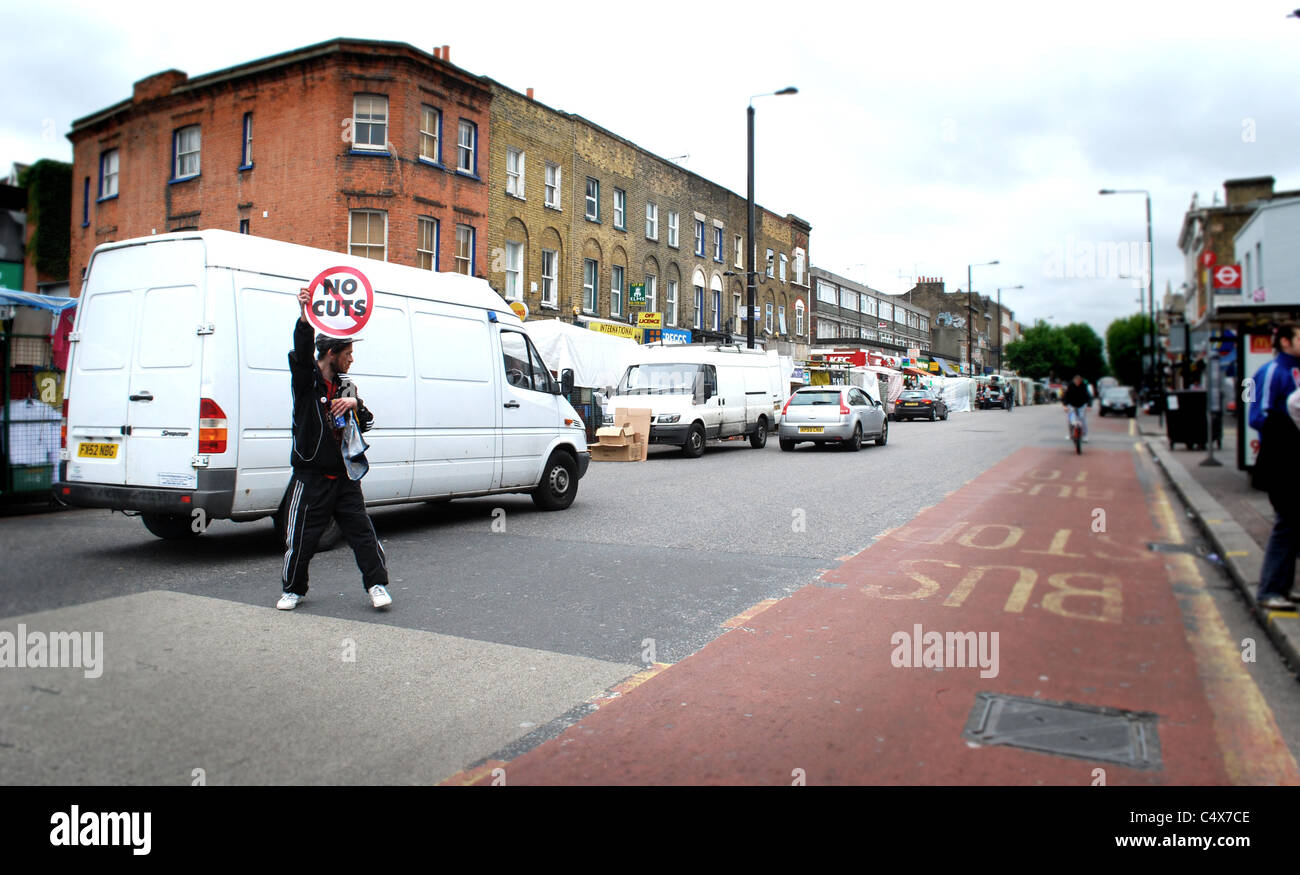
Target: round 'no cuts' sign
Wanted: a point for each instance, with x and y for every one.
(342, 300)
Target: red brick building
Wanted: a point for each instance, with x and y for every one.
(369, 147)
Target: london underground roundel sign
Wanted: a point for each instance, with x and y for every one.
(1227, 276)
(342, 300)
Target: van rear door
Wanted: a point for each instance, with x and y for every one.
(133, 410)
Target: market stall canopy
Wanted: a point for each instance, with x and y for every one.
(598, 360)
(957, 394)
(12, 298)
(894, 383)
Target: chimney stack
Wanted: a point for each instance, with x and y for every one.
(530, 94)
(446, 54)
(437, 52)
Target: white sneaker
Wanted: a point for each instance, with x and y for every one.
(289, 601)
(379, 596)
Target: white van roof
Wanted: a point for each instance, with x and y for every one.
(711, 355)
(276, 258)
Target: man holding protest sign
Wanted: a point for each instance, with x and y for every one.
(327, 420)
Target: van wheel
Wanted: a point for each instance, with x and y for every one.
(758, 439)
(559, 484)
(170, 526)
(694, 446)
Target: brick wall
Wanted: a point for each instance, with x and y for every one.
(305, 175)
(584, 150)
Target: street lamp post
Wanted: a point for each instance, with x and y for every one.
(970, 319)
(1154, 380)
(1009, 289)
(751, 284)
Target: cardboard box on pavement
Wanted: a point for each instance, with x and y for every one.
(626, 440)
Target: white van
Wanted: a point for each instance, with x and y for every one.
(699, 393)
(178, 396)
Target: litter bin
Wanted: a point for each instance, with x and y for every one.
(1185, 420)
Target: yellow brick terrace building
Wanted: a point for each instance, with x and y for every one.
(577, 215)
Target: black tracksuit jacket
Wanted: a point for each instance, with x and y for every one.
(314, 446)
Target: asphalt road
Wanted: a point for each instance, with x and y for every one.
(506, 623)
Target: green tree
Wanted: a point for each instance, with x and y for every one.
(1043, 350)
(1090, 364)
(49, 212)
(1124, 339)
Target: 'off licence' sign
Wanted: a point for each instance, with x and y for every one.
(342, 301)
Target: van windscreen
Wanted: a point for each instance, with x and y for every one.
(656, 379)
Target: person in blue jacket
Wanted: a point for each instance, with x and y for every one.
(1276, 467)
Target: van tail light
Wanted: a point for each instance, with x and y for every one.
(63, 427)
(212, 427)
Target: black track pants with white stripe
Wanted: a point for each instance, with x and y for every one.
(312, 500)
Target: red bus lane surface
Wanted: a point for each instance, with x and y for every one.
(1045, 558)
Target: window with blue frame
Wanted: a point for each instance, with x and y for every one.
(467, 148)
(431, 134)
(465, 249)
(717, 244)
(246, 152)
(699, 306)
(717, 309)
(699, 240)
(85, 204)
(426, 248)
(185, 148)
(108, 165)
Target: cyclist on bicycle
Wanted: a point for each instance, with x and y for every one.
(1077, 399)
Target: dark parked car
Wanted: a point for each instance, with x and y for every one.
(1118, 401)
(920, 404)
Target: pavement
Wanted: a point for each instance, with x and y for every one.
(1235, 518)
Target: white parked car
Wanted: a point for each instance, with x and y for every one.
(178, 385)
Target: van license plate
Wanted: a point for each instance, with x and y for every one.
(811, 429)
(97, 451)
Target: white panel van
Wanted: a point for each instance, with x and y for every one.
(178, 396)
(699, 393)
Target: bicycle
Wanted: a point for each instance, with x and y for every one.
(1076, 428)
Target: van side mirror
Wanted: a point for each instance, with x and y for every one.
(566, 381)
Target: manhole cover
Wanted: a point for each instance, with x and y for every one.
(1067, 729)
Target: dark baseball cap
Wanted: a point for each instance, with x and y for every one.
(325, 343)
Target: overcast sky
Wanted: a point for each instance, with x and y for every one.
(922, 138)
